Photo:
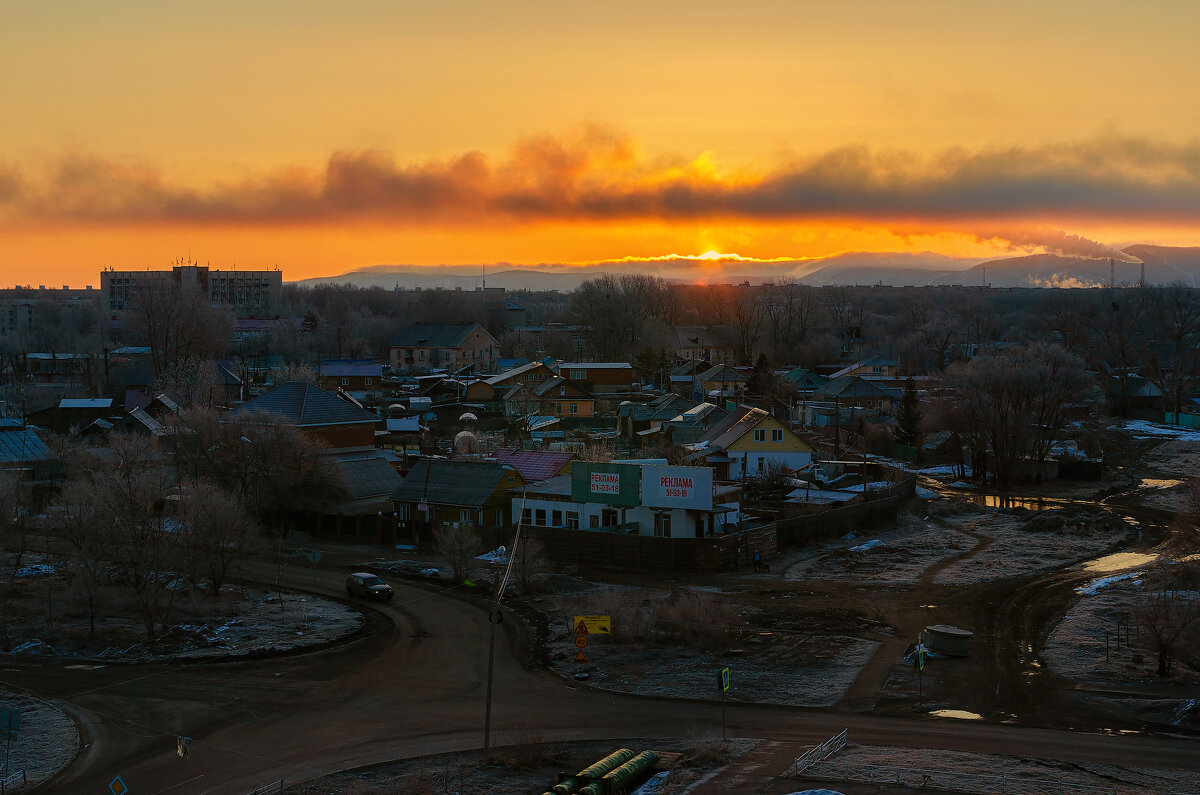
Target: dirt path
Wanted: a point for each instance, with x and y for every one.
(864, 693)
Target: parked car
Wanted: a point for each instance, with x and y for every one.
(368, 586)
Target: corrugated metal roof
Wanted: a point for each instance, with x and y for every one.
(85, 403)
(20, 447)
(434, 335)
(465, 483)
(404, 424)
(366, 475)
(596, 366)
(534, 464)
(343, 368)
(304, 405)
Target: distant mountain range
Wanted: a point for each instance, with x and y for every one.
(1163, 265)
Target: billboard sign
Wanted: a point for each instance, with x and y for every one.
(677, 487)
(608, 484)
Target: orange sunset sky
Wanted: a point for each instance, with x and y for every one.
(323, 137)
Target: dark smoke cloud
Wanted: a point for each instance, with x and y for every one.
(597, 176)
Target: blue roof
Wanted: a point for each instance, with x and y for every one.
(22, 447)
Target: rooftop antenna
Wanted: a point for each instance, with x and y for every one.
(484, 277)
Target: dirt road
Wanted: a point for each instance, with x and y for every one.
(415, 685)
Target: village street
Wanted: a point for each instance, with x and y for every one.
(414, 685)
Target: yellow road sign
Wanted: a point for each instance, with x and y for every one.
(581, 658)
(593, 625)
(580, 641)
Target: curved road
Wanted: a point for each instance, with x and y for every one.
(414, 686)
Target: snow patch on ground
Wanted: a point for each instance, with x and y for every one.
(1141, 429)
(872, 544)
(1093, 587)
(47, 740)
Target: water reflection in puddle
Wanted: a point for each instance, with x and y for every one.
(1120, 561)
(958, 714)
(1159, 483)
(1028, 503)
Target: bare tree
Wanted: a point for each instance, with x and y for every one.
(215, 532)
(1169, 611)
(459, 544)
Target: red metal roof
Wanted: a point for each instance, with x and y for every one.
(534, 464)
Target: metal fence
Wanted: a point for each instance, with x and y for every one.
(17, 777)
(823, 751)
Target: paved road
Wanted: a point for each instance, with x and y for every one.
(415, 685)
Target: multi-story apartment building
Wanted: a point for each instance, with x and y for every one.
(247, 293)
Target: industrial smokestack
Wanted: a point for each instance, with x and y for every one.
(1112, 273)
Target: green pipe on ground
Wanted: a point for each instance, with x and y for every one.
(607, 764)
(620, 778)
(572, 784)
(595, 788)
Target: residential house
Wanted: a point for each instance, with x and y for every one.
(872, 368)
(749, 441)
(70, 413)
(495, 386)
(715, 344)
(854, 390)
(721, 381)
(557, 397)
(690, 426)
(599, 377)
(633, 417)
(344, 426)
(335, 421)
(421, 347)
(23, 453)
(361, 378)
(449, 490)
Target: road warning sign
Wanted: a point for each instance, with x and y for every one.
(117, 786)
(581, 641)
(581, 658)
(593, 625)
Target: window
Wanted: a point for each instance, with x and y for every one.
(558, 408)
(556, 518)
(762, 463)
(498, 518)
(760, 435)
(466, 515)
(402, 513)
(662, 523)
(573, 519)
(608, 517)
(593, 521)
(527, 516)
(574, 408)
(562, 391)
(876, 369)
(579, 375)
(345, 382)
(539, 517)
(367, 381)
(777, 434)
